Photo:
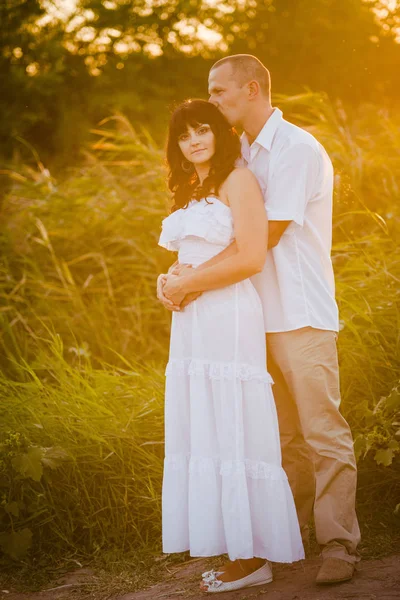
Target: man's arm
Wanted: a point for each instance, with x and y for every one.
(275, 231)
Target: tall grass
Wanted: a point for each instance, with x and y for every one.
(84, 342)
(81, 256)
(97, 432)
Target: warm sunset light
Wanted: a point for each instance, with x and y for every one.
(199, 299)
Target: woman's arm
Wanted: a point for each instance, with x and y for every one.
(250, 223)
(223, 255)
(274, 233)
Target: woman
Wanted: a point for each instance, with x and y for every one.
(224, 490)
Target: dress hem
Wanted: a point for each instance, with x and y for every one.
(196, 555)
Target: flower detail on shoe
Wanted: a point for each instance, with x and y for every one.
(210, 579)
(210, 575)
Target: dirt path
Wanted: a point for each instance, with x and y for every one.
(377, 579)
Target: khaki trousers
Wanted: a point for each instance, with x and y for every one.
(316, 441)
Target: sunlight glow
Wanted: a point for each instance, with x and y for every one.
(64, 9)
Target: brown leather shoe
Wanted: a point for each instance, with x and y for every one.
(334, 570)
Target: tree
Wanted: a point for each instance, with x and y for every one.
(337, 46)
(38, 77)
(133, 28)
(138, 56)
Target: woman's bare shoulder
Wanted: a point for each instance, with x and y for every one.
(238, 178)
(239, 174)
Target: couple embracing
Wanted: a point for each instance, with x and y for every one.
(252, 293)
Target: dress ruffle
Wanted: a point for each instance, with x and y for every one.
(243, 509)
(217, 370)
(254, 469)
(204, 220)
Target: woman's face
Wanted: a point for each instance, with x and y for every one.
(197, 144)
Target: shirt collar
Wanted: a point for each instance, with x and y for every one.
(266, 134)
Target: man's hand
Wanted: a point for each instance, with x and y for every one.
(178, 268)
(189, 298)
(160, 294)
(173, 266)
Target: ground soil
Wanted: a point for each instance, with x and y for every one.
(376, 579)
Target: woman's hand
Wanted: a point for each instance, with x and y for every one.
(185, 270)
(162, 291)
(161, 296)
(174, 288)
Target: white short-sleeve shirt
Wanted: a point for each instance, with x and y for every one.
(296, 285)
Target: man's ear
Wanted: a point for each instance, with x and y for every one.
(253, 89)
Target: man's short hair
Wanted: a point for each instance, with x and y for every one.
(246, 67)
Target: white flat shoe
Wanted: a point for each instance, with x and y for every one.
(214, 585)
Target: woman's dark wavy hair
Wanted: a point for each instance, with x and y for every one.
(186, 186)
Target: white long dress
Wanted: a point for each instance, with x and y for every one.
(224, 489)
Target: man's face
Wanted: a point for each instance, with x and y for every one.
(227, 95)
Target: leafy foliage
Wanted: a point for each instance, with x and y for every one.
(383, 435)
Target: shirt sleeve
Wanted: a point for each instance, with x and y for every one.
(292, 184)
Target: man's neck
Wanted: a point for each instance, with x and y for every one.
(256, 122)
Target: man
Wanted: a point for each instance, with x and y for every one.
(296, 287)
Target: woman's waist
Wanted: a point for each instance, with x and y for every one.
(196, 251)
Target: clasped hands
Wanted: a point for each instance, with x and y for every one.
(169, 288)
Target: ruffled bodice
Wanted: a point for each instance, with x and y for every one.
(208, 219)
